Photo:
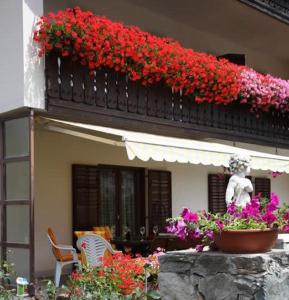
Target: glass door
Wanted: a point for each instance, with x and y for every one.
(128, 201)
(108, 199)
(121, 199)
(16, 194)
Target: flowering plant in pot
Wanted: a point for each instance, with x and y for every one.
(253, 228)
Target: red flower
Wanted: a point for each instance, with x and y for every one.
(99, 42)
(65, 53)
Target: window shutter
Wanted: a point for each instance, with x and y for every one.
(263, 186)
(159, 198)
(217, 185)
(85, 197)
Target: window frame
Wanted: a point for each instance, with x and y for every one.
(29, 201)
(118, 217)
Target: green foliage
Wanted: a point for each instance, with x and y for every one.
(6, 271)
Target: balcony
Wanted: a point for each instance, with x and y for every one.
(276, 8)
(108, 98)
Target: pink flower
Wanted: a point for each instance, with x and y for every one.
(232, 208)
(273, 204)
(196, 233)
(220, 224)
(200, 248)
(276, 174)
(286, 216)
(181, 229)
(269, 217)
(285, 228)
(189, 216)
(210, 234)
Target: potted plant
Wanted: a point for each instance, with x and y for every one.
(251, 229)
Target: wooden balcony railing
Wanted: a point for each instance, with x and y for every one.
(108, 98)
(276, 8)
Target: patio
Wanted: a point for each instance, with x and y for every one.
(55, 155)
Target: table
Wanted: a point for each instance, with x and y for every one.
(134, 246)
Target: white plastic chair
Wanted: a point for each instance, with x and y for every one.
(94, 246)
(61, 259)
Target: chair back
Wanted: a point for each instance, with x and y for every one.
(53, 242)
(80, 233)
(94, 247)
(103, 231)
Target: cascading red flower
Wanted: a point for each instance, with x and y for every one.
(98, 42)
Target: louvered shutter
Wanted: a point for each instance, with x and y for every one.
(159, 198)
(217, 185)
(263, 186)
(85, 197)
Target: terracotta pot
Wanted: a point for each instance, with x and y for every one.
(246, 240)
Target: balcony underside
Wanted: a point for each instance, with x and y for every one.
(275, 8)
(108, 98)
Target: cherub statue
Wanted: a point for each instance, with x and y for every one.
(239, 186)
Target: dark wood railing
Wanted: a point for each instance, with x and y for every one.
(108, 98)
(276, 8)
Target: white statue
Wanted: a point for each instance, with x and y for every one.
(239, 186)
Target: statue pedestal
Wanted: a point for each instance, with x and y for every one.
(187, 275)
(282, 241)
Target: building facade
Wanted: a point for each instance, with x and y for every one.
(54, 175)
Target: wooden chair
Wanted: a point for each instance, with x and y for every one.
(59, 251)
(94, 246)
(103, 231)
(98, 231)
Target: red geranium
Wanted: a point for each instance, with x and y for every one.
(98, 42)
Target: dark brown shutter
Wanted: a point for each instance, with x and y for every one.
(85, 194)
(263, 186)
(217, 185)
(159, 198)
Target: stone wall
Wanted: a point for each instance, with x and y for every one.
(210, 275)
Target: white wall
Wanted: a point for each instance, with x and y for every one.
(55, 153)
(11, 58)
(21, 72)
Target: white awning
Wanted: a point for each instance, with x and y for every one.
(160, 148)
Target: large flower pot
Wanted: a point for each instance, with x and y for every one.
(246, 240)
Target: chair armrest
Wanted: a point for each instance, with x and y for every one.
(65, 247)
(68, 248)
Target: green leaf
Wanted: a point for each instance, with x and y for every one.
(153, 295)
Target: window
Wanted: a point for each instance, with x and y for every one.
(16, 242)
(263, 186)
(159, 198)
(115, 196)
(217, 185)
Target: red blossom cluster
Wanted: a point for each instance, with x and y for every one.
(97, 41)
(118, 274)
(125, 271)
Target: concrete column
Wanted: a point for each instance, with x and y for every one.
(21, 71)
